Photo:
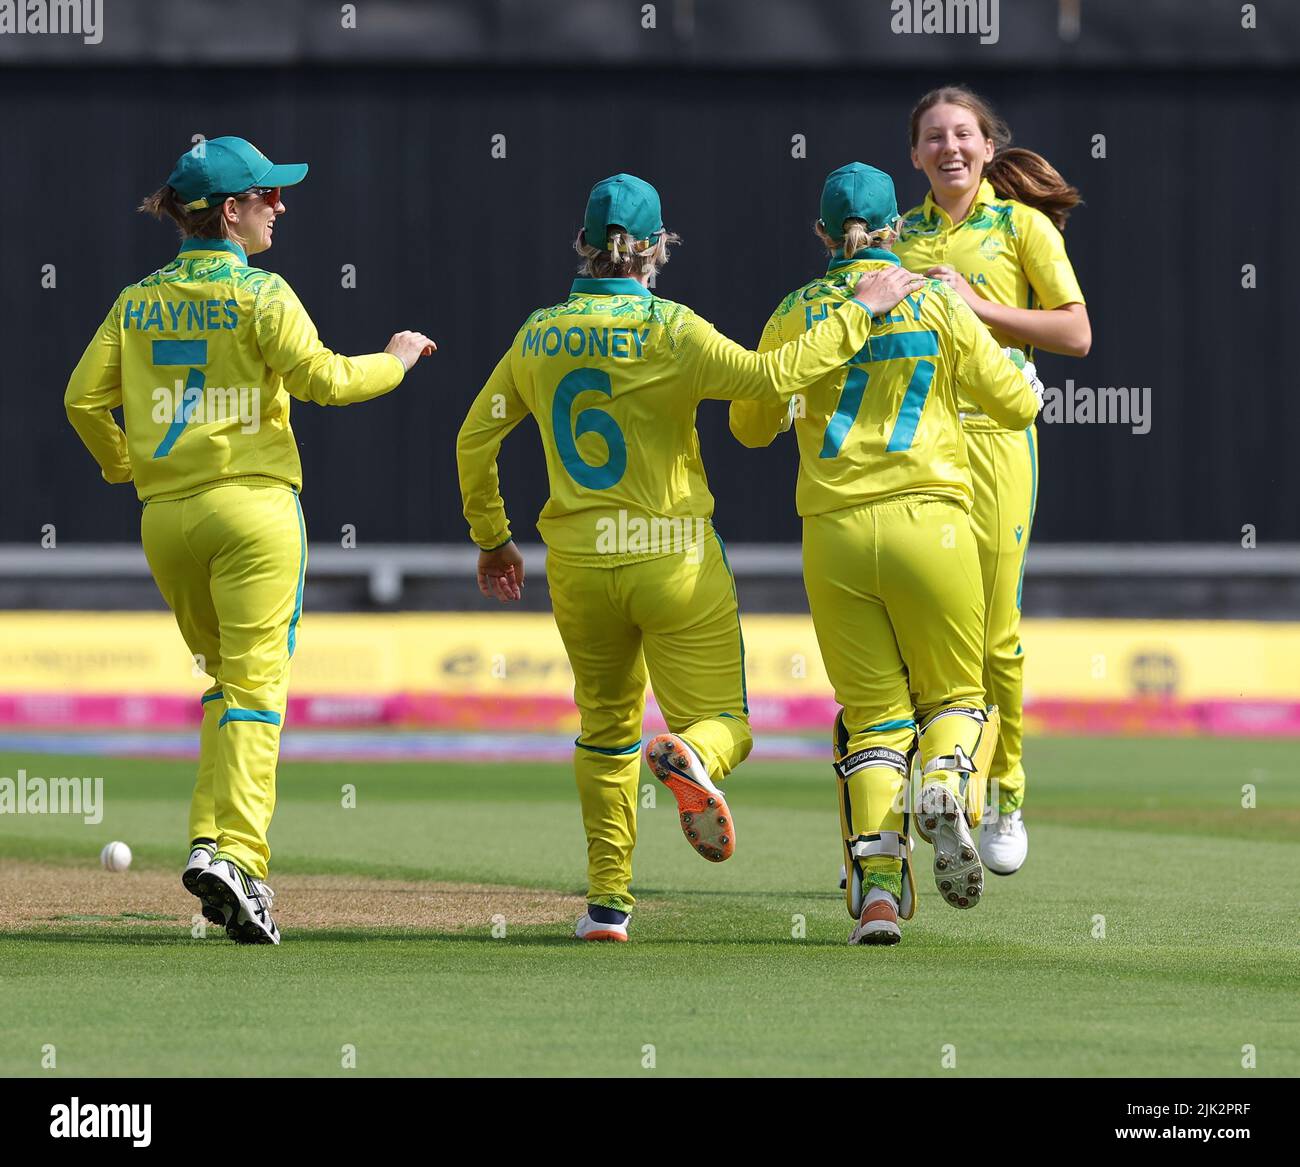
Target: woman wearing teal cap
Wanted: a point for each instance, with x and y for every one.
(203, 357)
(890, 562)
(639, 580)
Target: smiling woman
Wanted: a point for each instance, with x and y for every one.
(990, 229)
(219, 477)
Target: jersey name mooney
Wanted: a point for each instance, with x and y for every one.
(627, 343)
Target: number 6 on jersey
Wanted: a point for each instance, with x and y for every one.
(568, 430)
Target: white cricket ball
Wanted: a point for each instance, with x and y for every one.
(115, 856)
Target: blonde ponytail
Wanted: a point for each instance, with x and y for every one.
(856, 237)
(620, 259)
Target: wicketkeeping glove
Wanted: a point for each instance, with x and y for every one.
(1017, 358)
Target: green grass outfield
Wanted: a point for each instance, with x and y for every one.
(1199, 956)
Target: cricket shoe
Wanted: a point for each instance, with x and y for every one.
(1004, 843)
(244, 901)
(941, 821)
(199, 861)
(878, 923)
(611, 925)
(706, 819)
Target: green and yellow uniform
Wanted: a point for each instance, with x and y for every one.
(203, 357)
(890, 563)
(638, 578)
(1011, 254)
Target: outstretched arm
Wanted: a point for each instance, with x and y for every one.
(311, 372)
(726, 370)
(757, 423)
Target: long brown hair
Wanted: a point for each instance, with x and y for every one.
(1014, 172)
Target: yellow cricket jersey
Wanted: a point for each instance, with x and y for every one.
(887, 422)
(613, 376)
(203, 356)
(1008, 252)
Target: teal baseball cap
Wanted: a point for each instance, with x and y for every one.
(226, 166)
(625, 200)
(858, 191)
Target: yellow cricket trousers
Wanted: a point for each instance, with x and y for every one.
(1004, 471)
(230, 561)
(674, 619)
(898, 607)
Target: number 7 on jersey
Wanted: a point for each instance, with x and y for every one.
(896, 346)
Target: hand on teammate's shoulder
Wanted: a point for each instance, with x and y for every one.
(880, 290)
(409, 347)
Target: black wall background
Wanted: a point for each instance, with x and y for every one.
(1198, 180)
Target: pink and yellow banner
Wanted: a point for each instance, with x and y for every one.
(508, 671)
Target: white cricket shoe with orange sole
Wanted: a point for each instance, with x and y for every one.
(589, 929)
(878, 923)
(705, 816)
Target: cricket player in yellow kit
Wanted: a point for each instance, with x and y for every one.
(639, 580)
(890, 563)
(203, 357)
(981, 231)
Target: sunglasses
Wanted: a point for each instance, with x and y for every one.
(270, 195)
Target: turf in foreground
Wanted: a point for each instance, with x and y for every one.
(1151, 933)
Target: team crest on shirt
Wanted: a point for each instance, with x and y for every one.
(991, 246)
(993, 217)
